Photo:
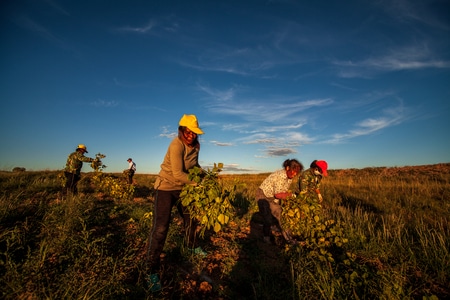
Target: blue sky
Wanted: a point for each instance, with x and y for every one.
(356, 83)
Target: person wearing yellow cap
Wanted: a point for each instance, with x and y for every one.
(73, 167)
(182, 155)
(309, 182)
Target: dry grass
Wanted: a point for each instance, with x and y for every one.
(89, 247)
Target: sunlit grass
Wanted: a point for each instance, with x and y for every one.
(88, 247)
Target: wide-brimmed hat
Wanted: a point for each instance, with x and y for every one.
(190, 121)
(323, 166)
(81, 146)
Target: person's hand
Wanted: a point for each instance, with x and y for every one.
(320, 198)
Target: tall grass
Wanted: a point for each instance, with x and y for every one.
(88, 247)
(397, 224)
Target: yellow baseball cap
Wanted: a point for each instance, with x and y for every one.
(81, 146)
(190, 121)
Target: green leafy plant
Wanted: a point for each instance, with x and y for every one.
(208, 200)
(305, 219)
(97, 164)
(108, 184)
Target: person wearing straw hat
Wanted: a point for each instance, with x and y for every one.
(72, 171)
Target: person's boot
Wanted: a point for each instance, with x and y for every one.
(153, 282)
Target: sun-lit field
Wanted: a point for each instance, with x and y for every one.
(389, 238)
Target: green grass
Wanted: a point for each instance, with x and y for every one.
(94, 247)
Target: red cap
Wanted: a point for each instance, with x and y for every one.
(323, 166)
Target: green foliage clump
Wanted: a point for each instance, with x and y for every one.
(97, 164)
(320, 252)
(107, 184)
(304, 218)
(208, 200)
(111, 186)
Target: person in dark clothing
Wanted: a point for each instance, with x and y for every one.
(73, 167)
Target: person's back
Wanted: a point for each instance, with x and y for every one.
(74, 162)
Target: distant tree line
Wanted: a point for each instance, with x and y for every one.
(19, 169)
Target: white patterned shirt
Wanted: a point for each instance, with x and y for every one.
(275, 183)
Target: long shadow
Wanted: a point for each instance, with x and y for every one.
(241, 204)
(262, 270)
(354, 203)
(142, 191)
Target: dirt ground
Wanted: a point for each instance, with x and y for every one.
(235, 259)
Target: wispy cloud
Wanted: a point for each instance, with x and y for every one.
(143, 29)
(167, 133)
(56, 6)
(268, 109)
(402, 58)
(29, 24)
(391, 117)
(157, 27)
(279, 151)
(258, 138)
(414, 11)
(221, 144)
(232, 168)
(103, 103)
(274, 123)
(47, 34)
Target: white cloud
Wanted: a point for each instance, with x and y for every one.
(221, 144)
(401, 58)
(144, 29)
(103, 103)
(392, 116)
(167, 133)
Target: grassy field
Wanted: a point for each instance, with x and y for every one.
(92, 246)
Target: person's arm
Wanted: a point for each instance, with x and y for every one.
(319, 195)
(283, 195)
(83, 158)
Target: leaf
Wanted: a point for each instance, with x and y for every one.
(223, 219)
(217, 227)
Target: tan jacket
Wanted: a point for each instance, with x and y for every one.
(174, 169)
